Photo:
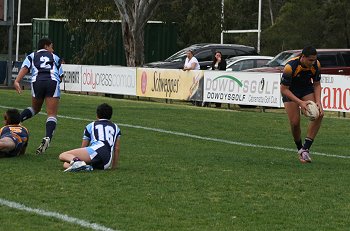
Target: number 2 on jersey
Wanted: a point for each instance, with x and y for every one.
(44, 62)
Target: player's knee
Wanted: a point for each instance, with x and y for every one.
(62, 156)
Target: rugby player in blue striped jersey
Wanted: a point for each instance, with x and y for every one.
(46, 75)
(100, 145)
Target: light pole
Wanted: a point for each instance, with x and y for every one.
(10, 18)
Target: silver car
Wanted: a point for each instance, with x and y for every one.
(240, 63)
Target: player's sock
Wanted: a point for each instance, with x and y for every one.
(50, 126)
(27, 113)
(308, 143)
(76, 159)
(299, 144)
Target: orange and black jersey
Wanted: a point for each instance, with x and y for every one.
(298, 77)
(18, 134)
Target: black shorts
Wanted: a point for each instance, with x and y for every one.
(300, 93)
(45, 88)
(101, 156)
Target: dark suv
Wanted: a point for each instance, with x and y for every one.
(204, 53)
(333, 61)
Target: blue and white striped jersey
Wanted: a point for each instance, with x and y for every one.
(102, 132)
(43, 65)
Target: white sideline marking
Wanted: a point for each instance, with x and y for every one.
(212, 139)
(206, 138)
(59, 216)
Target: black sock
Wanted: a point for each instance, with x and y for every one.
(27, 114)
(76, 159)
(308, 143)
(50, 126)
(299, 144)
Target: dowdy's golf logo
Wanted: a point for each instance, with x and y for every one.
(223, 84)
(229, 77)
(230, 88)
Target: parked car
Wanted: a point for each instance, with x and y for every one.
(333, 61)
(240, 63)
(204, 53)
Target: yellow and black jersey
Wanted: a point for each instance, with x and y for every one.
(298, 77)
(18, 134)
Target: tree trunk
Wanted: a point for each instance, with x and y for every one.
(135, 15)
(271, 12)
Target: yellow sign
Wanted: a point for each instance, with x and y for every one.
(169, 83)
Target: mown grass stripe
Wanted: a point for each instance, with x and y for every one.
(213, 139)
(206, 138)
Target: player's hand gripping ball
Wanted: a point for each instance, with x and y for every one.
(312, 111)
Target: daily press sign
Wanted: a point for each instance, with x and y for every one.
(242, 88)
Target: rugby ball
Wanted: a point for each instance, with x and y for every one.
(312, 111)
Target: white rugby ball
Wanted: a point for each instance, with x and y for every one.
(312, 111)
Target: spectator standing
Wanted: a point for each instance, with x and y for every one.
(46, 75)
(191, 62)
(219, 64)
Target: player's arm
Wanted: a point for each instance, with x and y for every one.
(317, 92)
(60, 71)
(318, 88)
(23, 149)
(85, 143)
(24, 70)
(86, 136)
(115, 158)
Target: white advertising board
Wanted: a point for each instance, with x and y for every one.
(72, 78)
(245, 88)
(108, 79)
(335, 95)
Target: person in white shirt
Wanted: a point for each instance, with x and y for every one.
(191, 63)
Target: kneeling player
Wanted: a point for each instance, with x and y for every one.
(13, 136)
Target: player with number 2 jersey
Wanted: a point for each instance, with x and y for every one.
(46, 75)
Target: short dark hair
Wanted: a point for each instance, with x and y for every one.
(191, 51)
(104, 111)
(44, 42)
(12, 116)
(309, 50)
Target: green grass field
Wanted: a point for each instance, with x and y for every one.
(181, 168)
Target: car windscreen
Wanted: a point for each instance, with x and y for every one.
(281, 59)
(181, 55)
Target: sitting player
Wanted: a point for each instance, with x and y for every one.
(100, 145)
(13, 136)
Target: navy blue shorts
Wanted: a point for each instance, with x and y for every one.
(300, 93)
(46, 88)
(101, 156)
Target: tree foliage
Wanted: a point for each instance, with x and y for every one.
(337, 24)
(323, 23)
(78, 12)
